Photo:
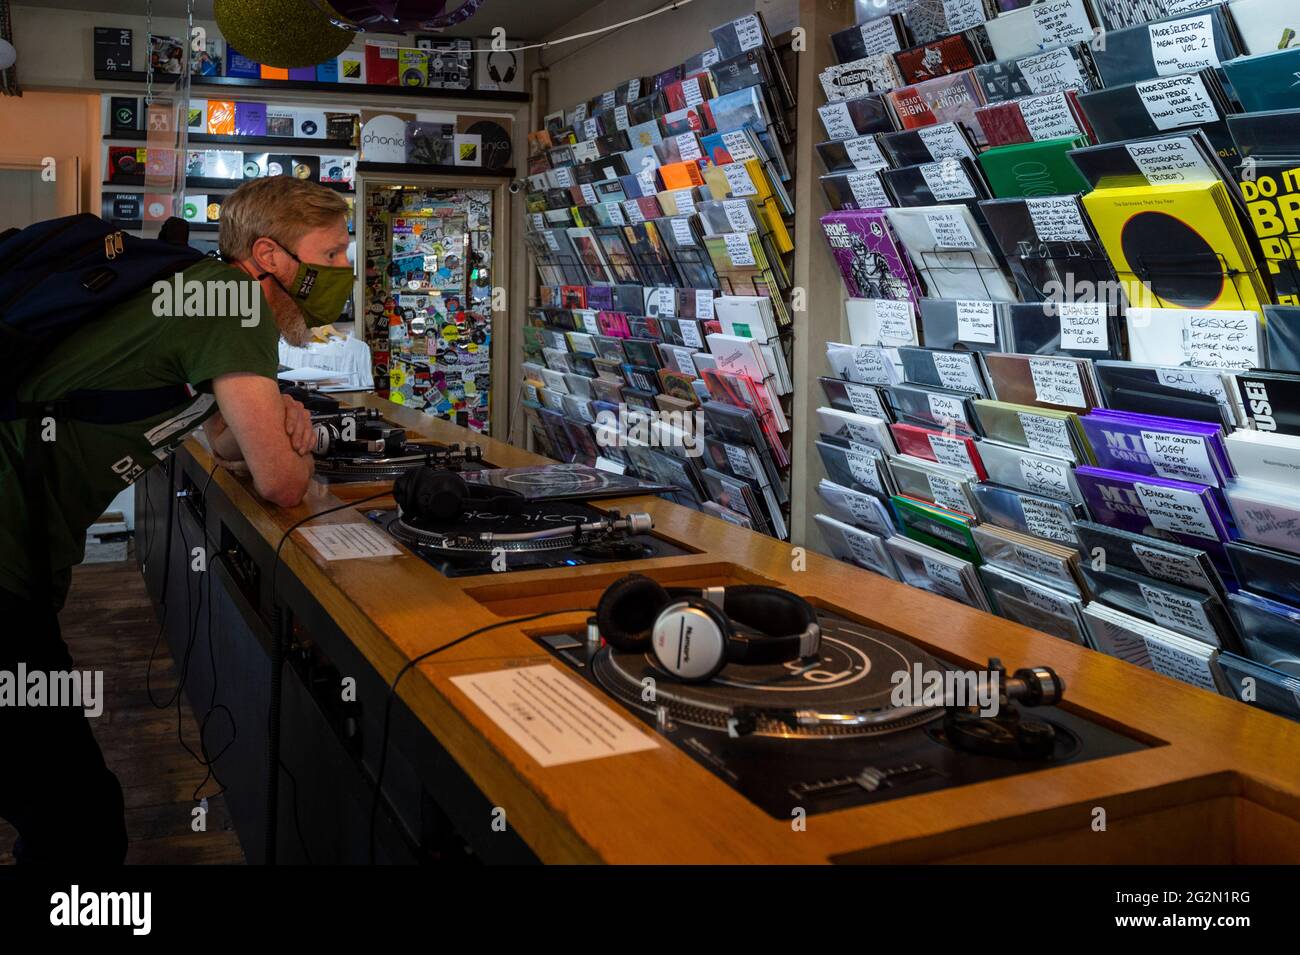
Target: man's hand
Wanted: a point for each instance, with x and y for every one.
(298, 426)
(258, 422)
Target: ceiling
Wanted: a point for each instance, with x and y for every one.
(523, 19)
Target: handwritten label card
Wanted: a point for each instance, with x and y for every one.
(1176, 510)
(975, 322)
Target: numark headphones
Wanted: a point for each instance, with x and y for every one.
(495, 74)
(694, 633)
(442, 496)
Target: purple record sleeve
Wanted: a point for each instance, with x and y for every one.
(1117, 443)
(870, 259)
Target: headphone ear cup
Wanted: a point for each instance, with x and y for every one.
(430, 493)
(689, 640)
(628, 609)
(500, 500)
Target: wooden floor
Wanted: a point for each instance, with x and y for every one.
(108, 623)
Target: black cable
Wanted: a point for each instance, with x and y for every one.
(278, 642)
(411, 664)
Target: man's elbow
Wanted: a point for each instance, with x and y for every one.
(283, 490)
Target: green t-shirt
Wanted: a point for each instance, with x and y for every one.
(131, 347)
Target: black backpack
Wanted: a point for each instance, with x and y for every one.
(58, 276)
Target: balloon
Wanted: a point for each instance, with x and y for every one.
(280, 33)
(7, 54)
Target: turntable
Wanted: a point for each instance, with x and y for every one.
(826, 735)
(359, 445)
(541, 534)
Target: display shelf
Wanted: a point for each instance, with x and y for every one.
(211, 139)
(204, 182)
(422, 169)
(349, 90)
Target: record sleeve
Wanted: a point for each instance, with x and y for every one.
(1270, 631)
(945, 99)
(1052, 71)
(862, 399)
(1034, 471)
(963, 325)
(928, 568)
(1189, 612)
(1048, 382)
(1053, 564)
(911, 147)
(1263, 686)
(856, 546)
(1195, 393)
(878, 34)
(1267, 572)
(1176, 44)
(869, 258)
(1050, 248)
(1154, 557)
(1271, 400)
(1175, 448)
(859, 468)
(1027, 513)
(555, 482)
(860, 116)
(853, 507)
(1076, 329)
(1035, 604)
(955, 370)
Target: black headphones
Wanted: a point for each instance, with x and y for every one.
(494, 74)
(694, 633)
(442, 496)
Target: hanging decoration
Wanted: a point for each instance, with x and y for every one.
(396, 16)
(281, 33)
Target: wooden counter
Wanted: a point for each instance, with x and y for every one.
(1222, 783)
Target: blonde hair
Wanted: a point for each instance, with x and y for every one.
(281, 207)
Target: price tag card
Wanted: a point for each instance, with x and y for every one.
(1221, 339)
(633, 213)
(590, 323)
(749, 32)
(951, 451)
(691, 93)
(620, 117)
(862, 465)
(615, 213)
(688, 146)
(879, 36)
(1044, 600)
(608, 99)
(1175, 568)
(896, 321)
(865, 400)
(946, 408)
(551, 241)
(736, 142)
(1036, 562)
(711, 56)
(738, 216)
(865, 154)
(1169, 161)
(1179, 664)
(868, 192)
(682, 231)
(864, 550)
(739, 181)
(1047, 477)
(944, 141)
(1084, 326)
(1046, 434)
(588, 194)
(703, 304)
(1061, 22)
(956, 371)
(946, 579)
(1179, 613)
(837, 120)
(685, 201)
(963, 14)
(691, 334)
(1183, 46)
(1057, 382)
(1176, 510)
(947, 493)
(1057, 219)
(1048, 117)
(1177, 101)
(975, 322)
(738, 249)
(947, 180)
(634, 89)
(1044, 520)
(1179, 457)
(1052, 72)
(949, 229)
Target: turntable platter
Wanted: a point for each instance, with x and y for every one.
(846, 693)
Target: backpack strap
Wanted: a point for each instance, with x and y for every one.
(100, 406)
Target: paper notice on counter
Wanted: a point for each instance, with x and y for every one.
(553, 717)
(349, 541)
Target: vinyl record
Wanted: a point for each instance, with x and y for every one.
(495, 149)
(252, 170)
(301, 171)
(1173, 260)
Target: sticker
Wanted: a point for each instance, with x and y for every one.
(949, 229)
(975, 322)
(1046, 434)
(1177, 101)
(1182, 46)
(1047, 477)
(1057, 219)
(1048, 117)
(1168, 161)
(1176, 510)
(1179, 613)
(1180, 457)
(554, 718)
(956, 371)
(1056, 382)
(1084, 326)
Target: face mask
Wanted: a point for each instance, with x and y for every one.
(320, 291)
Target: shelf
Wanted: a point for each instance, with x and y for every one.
(203, 182)
(136, 225)
(290, 142)
(422, 169)
(236, 83)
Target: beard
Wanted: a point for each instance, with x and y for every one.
(289, 318)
